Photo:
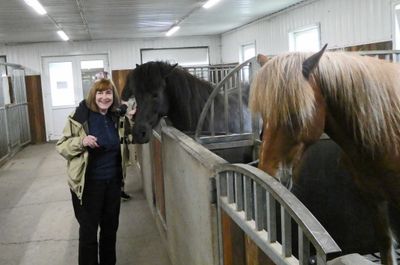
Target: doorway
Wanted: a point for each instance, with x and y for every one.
(66, 81)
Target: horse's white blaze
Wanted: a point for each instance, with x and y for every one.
(284, 174)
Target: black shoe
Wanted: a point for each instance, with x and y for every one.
(125, 196)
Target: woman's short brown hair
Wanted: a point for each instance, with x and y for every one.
(102, 85)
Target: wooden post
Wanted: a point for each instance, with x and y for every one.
(233, 241)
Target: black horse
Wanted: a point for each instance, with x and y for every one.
(162, 89)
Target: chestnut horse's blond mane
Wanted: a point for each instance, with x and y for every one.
(366, 92)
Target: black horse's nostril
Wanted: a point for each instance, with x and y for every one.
(141, 132)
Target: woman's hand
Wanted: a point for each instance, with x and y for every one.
(90, 141)
(131, 113)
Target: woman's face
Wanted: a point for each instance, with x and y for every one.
(104, 100)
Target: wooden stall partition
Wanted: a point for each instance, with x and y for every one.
(238, 248)
(376, 46)
(35, 108)
(119, 78)
(254, 255)
(158, 178)
(232, 241)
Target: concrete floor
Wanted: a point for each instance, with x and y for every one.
(37, 223)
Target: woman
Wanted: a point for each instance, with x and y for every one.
(94, 145)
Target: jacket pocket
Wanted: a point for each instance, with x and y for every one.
(76, 168)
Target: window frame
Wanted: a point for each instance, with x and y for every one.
(292, 35)
(170, 49)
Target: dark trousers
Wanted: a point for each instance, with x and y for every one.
(100, 208)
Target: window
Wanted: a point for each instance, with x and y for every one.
(247, 51)
(305, 39)
(89, 69)
(397, 26)
(184, 56)
(6, 90)
(61, 84)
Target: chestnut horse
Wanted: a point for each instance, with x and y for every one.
(353, 99)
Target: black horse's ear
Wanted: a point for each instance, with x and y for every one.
(169, 70)
(311, 62)
(137, 65)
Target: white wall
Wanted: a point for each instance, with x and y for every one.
(343, 23)
(124, 54)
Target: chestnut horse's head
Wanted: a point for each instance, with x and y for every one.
(284, 91)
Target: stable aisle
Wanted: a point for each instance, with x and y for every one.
(37, 223)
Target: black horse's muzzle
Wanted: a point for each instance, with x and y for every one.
(141, 133)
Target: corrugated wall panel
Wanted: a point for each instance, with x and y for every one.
(124, 54)
(343, 23)
(3, 133)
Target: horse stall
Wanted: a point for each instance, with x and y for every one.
(14, 121)
(212, 210)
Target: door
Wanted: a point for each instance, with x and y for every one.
(66, 81)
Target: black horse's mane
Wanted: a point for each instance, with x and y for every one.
(186, 93)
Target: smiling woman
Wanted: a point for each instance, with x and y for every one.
(96, 155)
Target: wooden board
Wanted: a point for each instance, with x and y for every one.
(35, 108)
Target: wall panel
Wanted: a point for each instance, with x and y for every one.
(343, 23)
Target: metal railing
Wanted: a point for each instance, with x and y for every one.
(232, 85)
(211, 73)
(251, 198)
(389, 55)
(14, 119)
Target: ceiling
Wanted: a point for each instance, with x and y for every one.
(127, 19)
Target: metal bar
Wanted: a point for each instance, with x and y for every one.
(286, 233)
(225, 138)
(271, 218)
(219, 202)
(212, 118)
(241, 118)
(259, 206)
(321, 259)
(239, 191)
(231, 192)
(226, 109)
(304, 248)
(248, 198)
(223, 184)
(224, 145)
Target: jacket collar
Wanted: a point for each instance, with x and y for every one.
(81, 114)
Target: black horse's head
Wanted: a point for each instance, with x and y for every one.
(147, 83)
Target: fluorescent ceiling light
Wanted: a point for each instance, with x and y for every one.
(172, 30)
(210, 3)
(63, 36)
(36, 6)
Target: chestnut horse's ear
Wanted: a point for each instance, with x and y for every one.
(311, 62)
(262, 59)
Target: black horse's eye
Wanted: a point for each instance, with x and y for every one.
(155, 96)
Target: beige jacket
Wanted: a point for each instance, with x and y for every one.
(71, 148)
